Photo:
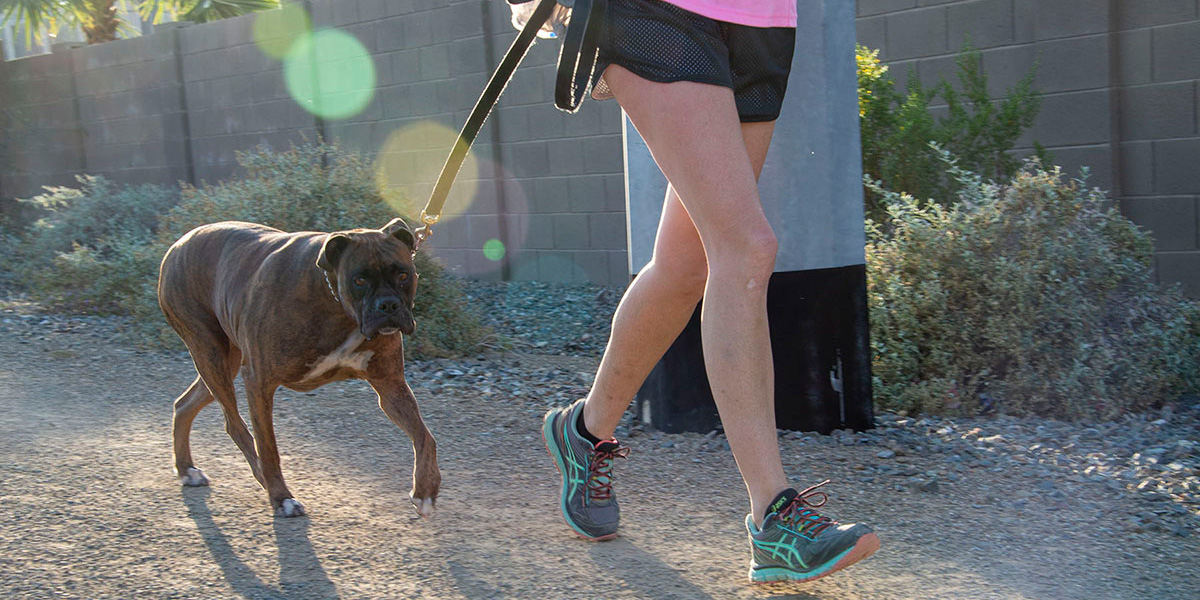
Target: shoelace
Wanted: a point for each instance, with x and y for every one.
(600, 477)
(806, 520)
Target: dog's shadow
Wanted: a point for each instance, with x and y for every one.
(300, 571)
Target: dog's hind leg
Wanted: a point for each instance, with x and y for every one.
(193, 399)
(261, 398)
(199, 395)
(218, 362)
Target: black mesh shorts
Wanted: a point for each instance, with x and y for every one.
(661, 42)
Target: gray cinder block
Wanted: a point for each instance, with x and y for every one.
(916, 33)
(1176, 163)
(1176, 50)
(1065, 18)
(986, 23)
(874, 7)
(1171, 220)
(1157, 111)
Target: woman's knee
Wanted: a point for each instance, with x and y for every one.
(749, 255)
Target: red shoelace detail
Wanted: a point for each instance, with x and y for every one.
(600, 477)
(806, 520)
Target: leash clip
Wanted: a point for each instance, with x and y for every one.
(420, 235)
(430, 220)
(425, 231)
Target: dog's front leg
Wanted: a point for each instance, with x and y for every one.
(397, 401)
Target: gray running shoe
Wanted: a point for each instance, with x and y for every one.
(797, 544)
(587, 499)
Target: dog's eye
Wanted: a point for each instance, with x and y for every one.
(404, 277)
(360, 281)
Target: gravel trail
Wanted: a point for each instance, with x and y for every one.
(975, 508)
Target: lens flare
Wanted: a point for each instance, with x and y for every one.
(330, 74)
(409, 162)
(493, 250)
(276, 31)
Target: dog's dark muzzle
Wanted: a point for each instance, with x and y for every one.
(387, 315)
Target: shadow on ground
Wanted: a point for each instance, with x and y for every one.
(300, 571)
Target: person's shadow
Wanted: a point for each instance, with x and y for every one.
(300, 572)
(655, 579)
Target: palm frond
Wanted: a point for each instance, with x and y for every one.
(214, 10)
(32, 17)
(201, 11)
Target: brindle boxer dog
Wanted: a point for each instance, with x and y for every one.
(297, 310)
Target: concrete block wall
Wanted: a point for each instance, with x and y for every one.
(130, 109)
(565, 173)
(178, 104)
(548, 186)
(1121, 93)
(40, 133)
(235, 97)
(1120, 79)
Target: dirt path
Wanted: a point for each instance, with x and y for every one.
(89, 507)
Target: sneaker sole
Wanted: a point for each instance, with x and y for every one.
(864, 547)
(561, 465)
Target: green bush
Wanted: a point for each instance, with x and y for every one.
(898, 127)
(1031, 297)
(310, 187)
(319, 187)
(91, 248)
(98, 247)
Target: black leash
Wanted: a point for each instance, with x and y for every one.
(576, 62)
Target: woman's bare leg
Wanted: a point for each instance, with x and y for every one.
(655, 308)
(711, 160)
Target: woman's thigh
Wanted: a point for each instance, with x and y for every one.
(694, 134)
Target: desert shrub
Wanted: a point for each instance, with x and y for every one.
(1031, 297)
(898, 127)
(309, 187)
(91, 248)
(319, 187)
(94, 212)
(98, 247)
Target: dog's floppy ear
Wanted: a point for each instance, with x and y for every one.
(331, 251)
(398, 229)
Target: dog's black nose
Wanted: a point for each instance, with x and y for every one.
(387, 304)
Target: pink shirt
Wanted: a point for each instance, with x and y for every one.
(755, 13)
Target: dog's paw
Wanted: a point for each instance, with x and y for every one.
(193, 478)
(424, 506)
(290, 507)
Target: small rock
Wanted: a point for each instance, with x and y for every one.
(885, 454)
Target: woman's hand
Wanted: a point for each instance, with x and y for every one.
(554, 27)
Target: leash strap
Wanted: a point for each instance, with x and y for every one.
(576, 62)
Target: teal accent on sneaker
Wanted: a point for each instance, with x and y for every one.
(586, 500)
(796, 543)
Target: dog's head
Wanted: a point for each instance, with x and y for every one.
(373, 273)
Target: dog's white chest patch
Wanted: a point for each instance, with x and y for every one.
(345, 356)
